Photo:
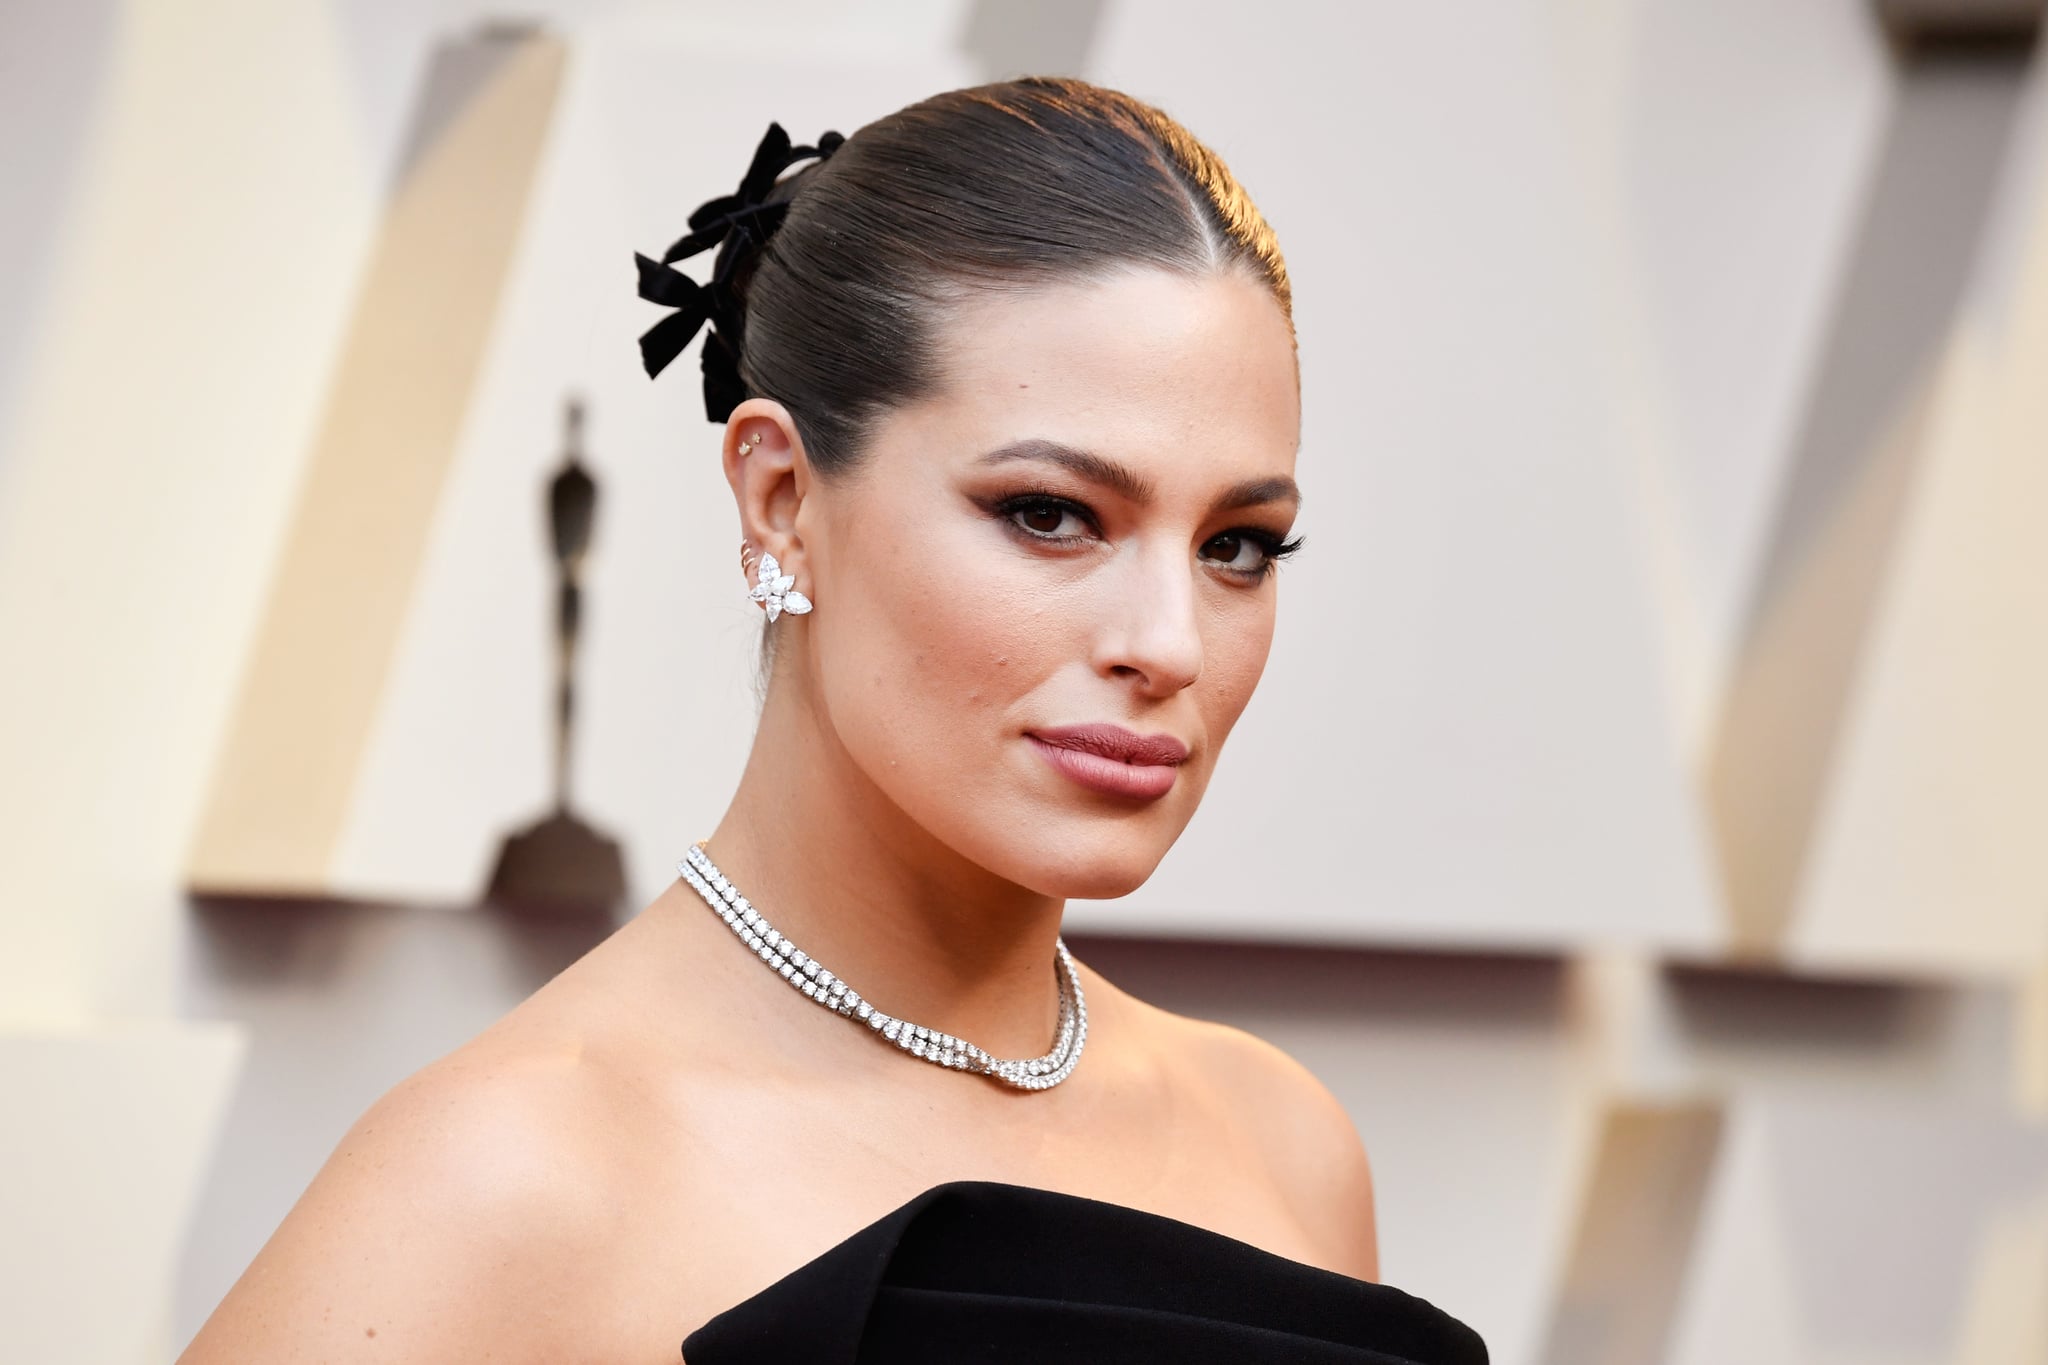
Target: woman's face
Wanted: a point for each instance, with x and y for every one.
(1075, 532)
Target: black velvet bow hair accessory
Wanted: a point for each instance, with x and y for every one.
(743, 221)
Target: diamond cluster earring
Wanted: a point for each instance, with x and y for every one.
(776, 590)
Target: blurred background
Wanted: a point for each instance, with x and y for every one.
(1640, 825)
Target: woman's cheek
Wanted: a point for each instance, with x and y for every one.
(923, 651)
(1240, 661)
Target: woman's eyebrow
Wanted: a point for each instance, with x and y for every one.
(1130, 484)
(1256, 492)
(1118, 478)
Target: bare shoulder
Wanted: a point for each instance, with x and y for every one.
(454, 1220)
(1305, 1136)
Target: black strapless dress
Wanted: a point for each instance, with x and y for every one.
(977, 1270)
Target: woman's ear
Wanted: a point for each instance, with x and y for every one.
(765, 466)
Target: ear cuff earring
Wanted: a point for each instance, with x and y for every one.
(773, 589)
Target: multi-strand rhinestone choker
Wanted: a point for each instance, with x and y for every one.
(806, 974)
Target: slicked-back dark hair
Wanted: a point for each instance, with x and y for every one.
(1024, 181)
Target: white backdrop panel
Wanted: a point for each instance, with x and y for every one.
(1463, 734)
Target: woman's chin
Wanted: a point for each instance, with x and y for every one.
(1091, 874)
(1107, 888)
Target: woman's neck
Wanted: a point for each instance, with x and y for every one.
(918, 930)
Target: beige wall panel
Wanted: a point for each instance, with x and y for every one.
(1721, 224)
(1865, 1230)
(107, 1136)
(2005, 1316)
(1636, 1226)
(404, 385)
(2029, 1070)
(1775, 749)
(191, 295)
(1860, 462)
(52, 104)
(1943, 1044)
(1931, 855)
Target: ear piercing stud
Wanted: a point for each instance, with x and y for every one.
(747, 445)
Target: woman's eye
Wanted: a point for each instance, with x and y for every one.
(1240, 554)
(1048, 519)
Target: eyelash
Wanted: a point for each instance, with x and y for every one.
(1273, 546)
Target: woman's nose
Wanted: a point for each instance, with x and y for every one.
(1151, 631)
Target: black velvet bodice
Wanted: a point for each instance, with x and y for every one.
(976, 1270)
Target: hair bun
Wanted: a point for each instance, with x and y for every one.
(743, 221)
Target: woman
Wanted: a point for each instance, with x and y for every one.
(1012, 406)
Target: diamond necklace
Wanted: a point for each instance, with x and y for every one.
(941, 1049)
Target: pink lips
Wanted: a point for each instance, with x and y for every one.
(1113, 760)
